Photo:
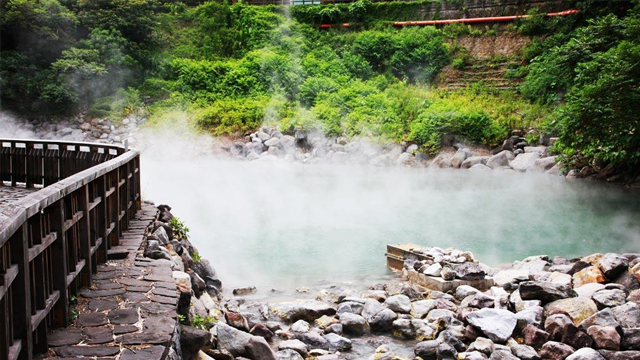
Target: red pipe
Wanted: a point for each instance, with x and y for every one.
(455, 21)
(479, 20)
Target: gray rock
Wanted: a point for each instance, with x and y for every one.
(458, 158)
(288, 354)
(231, 339)
(427, 350)
(628, 315)
(613, 265)
(545, 291)
(258, 349)
(500, 159)
(585, 354)
(473, 160)
(399, 303)
(479, 167)
(351, 307)
(420, 308)
(470, 271)
(383, 320)
(295, 345)
(544, 164)
(609, 298)
(338, 343)
(524, 162)
(308, 310)
(497, 324)
(353, 324)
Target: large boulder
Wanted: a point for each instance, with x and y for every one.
(609, 298)
(192, 340)
(470, 271)
(497, 324)
(556, 351)
(353, 324)
(591, 274)
(544, 164)
(231, 339)
(500, 159)
(613, 265)
(399, 303)
(578, 308)
(525, 161)
(458, 158)
(472, 161)
(628, 315)
(258, 349)
(605, 337)
(308, 310)
(545, 291)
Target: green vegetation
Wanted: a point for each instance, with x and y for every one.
(230, 68)
(180, 230)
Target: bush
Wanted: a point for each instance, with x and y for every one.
(231, 116)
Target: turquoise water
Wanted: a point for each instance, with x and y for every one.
(282, 225)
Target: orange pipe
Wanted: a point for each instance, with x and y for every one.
(455, 21)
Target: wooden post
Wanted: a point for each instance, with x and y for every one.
(60, 269)
(85, 235)
(22, 292)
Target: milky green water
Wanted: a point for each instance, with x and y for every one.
(282, 225)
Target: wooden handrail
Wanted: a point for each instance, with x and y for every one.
(52, 239)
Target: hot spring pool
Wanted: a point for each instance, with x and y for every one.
(282, 225)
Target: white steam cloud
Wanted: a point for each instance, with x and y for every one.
(278, 224)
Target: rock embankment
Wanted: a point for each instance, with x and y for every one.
(539, 308)
(514, 155)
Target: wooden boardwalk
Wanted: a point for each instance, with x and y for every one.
(11, 195)
(130, 310)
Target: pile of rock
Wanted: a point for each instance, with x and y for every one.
(541, 309)
(196, 280)
(81, 129)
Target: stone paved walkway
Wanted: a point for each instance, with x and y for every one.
(10, 195)
(129, 312)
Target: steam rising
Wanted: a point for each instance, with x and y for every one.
(280, 224)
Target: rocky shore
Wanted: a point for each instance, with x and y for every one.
(538, 308)
(269, 144)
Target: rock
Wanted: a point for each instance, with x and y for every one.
(463, 291)
(351, 307)
(578, 308)
(585, 354)
(628, 315)
(544, 164)
(302, 310)
(545, 291)
(433, 270)
(589, 289)
(288, 354)
(534, 336)
(603, 317)
(371, 307)
(258, 349)
(500, 159)
(524, 162)
(470, 271)
(325, 321)
(482, 345)
(192, 340)
(338, 343)
(458, 158)
(262, 330)
(383, 320)
(556, 324)
(631, 339)
(556, 351)
(472, 161)
(300, 326)
(530, 316)
(560, 278)
(231, 339)
(479, 167)
(502, 355)
(609, 298)
(605, 337)
(427, 350)
(353, 324)
(591, 274)
(295, 345)
(313, 340)
(447, 273)
(237, 321)
(498, 325)
(507, 276)
(399, 303)
(245, 291)
(612, 265)
(420, 308)
(334, 328)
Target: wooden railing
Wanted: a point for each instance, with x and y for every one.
(52, 240)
